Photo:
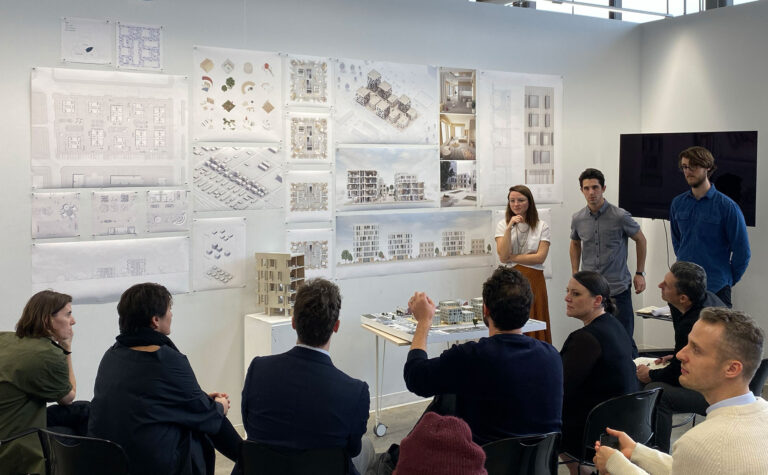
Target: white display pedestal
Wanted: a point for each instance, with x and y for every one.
(264, 335)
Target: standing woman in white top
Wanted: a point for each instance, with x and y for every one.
(522, 241)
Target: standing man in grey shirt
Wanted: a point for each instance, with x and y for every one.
(599, 235)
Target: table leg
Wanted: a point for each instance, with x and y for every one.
(379, 429)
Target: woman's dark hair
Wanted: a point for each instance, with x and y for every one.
(531, 216)
(596, 285)
(140, 303)
(36, 317)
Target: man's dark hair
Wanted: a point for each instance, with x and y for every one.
(508, 297)
(590, 174)
(140, 303)
(316, 311)
(691, 280)
(698, 157)
(742, 338)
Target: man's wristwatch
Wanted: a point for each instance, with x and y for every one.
(640, 273)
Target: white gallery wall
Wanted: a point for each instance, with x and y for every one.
(600, 62)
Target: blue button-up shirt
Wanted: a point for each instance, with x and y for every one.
(712, 233)
(603, 237)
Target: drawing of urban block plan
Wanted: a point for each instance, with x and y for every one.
(369, 178)
(308, 196)
(55, 215)
(317, 247)
(309, 81)
(390, 243)
(103, 129)
(237, 178)
(99, 271)
(139, 46)
(385, 103)
(114, 212)
(309, 138)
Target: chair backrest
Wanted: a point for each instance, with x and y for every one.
(73, 455)
(261, 459)
(631, 413)
(531, 455)
(758, 380)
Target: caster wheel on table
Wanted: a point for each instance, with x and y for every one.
(380, 429)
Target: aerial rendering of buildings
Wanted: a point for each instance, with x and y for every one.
(279, 277)
(378, 98)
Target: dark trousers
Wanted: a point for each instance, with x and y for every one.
(69, 419)
(725, 295)
(674, 400)
(625, 314)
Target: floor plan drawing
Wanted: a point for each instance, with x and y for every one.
(105, 129)
(218, 257)
(55, 215)
(385, 103)
(317, 247)
(114, 212)
(99, 271)
(381, 178)
(309, 81)
(139, 46)
(238, 178)
(308, 196)
(238, 95)
(167, 211)
(309, 138)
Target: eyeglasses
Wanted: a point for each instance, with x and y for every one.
(692, 168)
(521, 200)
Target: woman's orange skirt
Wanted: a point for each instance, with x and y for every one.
(540, 306)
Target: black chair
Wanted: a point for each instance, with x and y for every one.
(758, 380)
(261, 459)
(631, 413)
(532, 455)
(74, 455)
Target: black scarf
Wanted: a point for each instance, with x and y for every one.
(144, 337)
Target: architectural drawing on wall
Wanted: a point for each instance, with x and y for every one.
(84, 40)
(99, 271)
(238, 96)
(114, 212)
(458, 183)
(390, 243)
(539, 135)
(308, 81)
(279, 277)
(309, 138)
(308, 196)
(457, 90)
(218, 256)
(239, 178)
(167, 211)
(457, 136)
(139, 46)
(502, 142)
(385, 177)
(55, 215)
(317, 247)
(104, 129)
(385, 103)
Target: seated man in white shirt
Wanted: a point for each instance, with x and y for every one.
(723, 352)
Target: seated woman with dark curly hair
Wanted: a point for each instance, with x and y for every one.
(146, 397)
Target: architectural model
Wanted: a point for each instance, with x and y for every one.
(99, 271)
(114, 212)
(139, 46)
(309, 81)
(309, 138)
(279, 277)
(218, 258)
(238, 96)
(237, 178)
(55, 215)
(167, 211)
(105, 129)
(539, 136)
(380, 103)
(317, 247)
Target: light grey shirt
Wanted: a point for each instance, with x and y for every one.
(603, 237)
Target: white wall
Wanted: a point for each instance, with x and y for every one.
(707, 72)
(598, 59)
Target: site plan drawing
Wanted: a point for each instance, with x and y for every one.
(317, 247)
(114, 212)
(308, 196)
(237, 95)
(309, 138)
(139, 46)
(99, 271)
(104, 129)
(385, 103)
(308, 81)
(237, 177)
(218, 256)
(55, 215)
(167, 211)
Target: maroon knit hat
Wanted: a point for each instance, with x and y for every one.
(440, 445)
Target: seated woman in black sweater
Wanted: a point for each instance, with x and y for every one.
(597, 359)
(146, 397)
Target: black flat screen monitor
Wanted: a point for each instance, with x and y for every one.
(649, 177)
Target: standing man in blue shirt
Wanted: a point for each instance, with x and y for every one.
(707, 227)
(599, 235)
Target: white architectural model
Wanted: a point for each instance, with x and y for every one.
(309, 196)
(279, 277)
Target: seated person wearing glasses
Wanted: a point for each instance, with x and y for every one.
(723, 352)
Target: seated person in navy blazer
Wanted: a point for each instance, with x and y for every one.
(299, 399)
